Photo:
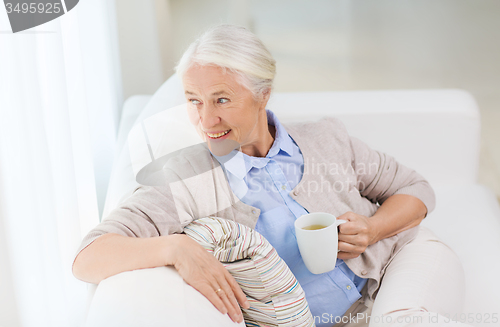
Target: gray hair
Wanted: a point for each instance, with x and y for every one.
(236, 49)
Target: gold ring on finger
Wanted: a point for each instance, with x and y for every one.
(217, 291)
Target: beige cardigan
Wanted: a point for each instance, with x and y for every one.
(341, 174)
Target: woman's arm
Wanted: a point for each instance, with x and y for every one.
(405, 198)
(398, 213)
(145, 232)
(111, 254)
(380, 176)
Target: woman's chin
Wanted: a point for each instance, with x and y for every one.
(222, 147)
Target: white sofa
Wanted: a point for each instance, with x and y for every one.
(436, 132)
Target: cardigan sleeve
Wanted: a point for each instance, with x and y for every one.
(150, 211)
(380, 176)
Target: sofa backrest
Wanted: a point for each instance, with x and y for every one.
(435, 132)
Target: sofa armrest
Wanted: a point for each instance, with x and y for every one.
(154, 297)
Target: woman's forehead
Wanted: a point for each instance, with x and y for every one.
(210, 79)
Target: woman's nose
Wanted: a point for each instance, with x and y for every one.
(208, 117)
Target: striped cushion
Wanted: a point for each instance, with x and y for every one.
(276, 298)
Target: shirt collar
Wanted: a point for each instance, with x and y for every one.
(239, 164)
(282, 140)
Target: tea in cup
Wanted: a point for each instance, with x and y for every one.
(314, 227)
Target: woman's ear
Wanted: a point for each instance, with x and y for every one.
(264, 96)
(266, 93)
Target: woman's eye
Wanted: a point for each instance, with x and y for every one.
(222, 100)
(194, 101)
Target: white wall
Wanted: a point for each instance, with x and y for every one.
(140, 60)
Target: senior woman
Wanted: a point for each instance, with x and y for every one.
(227, 75)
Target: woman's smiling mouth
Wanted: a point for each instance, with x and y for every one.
(218, 135)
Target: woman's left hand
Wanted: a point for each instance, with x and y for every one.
(355, 235)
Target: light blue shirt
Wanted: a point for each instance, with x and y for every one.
(266, 183)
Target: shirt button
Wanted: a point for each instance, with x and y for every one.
(283, 187)
(348, 287)
(295, 193)
(364, 272)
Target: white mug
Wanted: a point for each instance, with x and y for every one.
(318, 247)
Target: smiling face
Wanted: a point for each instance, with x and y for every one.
(223, 109)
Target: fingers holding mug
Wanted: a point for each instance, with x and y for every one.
(348, 250)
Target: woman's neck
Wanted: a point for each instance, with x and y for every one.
(264, 141)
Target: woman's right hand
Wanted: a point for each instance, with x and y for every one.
(205, 273)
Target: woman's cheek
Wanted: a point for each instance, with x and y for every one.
(194, 117)
(202, 135)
